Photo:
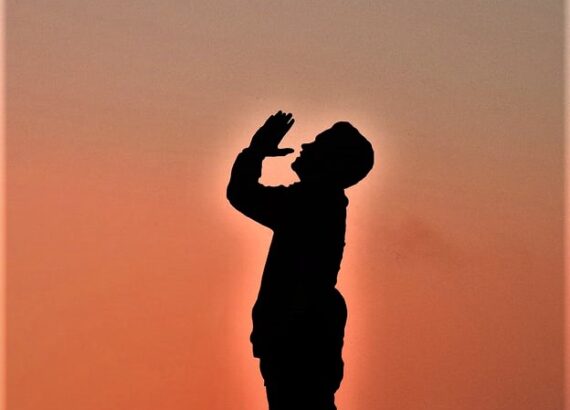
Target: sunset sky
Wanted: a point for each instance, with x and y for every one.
(130, 278)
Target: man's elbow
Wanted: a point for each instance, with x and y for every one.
(230, 194)
(233, 196)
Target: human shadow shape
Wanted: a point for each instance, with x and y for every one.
(299, 316)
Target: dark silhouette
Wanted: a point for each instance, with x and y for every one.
(299, 316)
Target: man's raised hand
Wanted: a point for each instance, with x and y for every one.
(267, 138)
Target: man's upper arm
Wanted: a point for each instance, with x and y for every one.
(261, 203)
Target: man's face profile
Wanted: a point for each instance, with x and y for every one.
(310, 164)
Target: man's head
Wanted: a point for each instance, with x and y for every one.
(339, 156)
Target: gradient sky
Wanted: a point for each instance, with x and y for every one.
(130, 278)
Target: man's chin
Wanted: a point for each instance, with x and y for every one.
(295, 167)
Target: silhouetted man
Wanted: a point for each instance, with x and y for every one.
(299, 315)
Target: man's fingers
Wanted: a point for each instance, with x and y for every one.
(283, 115)
(278, 119)
(290, 123)
(281, 124)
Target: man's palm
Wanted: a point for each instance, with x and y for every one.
(266, 140)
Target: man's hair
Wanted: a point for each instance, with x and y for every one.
(350, 156)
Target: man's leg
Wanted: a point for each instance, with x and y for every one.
(299, 399)
(301, 382)
(303, 368)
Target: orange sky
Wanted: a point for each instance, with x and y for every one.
(130, 278)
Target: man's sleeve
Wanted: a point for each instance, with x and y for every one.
(260, 203)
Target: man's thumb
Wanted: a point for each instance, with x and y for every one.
(281, 152)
